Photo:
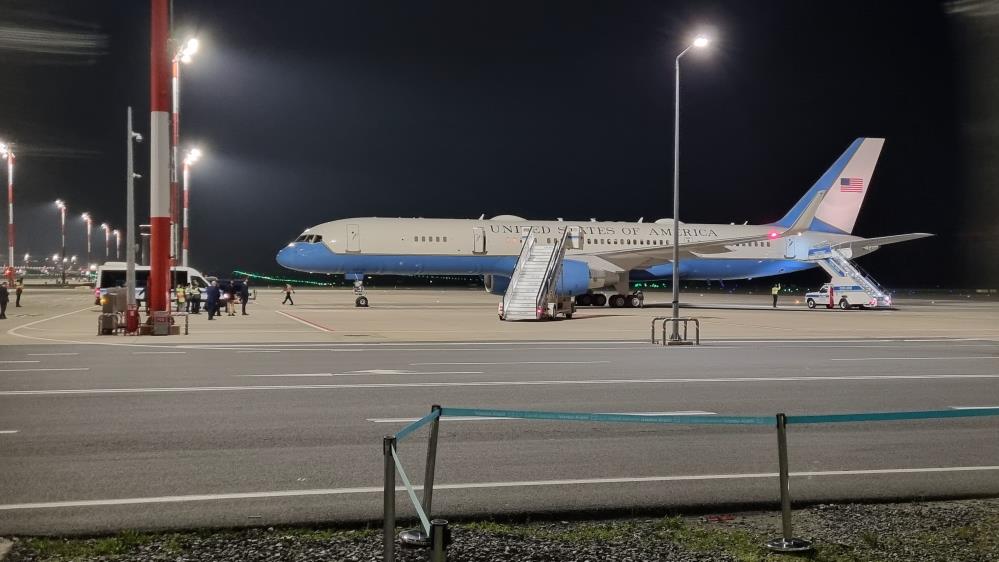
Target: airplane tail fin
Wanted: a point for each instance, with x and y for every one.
(845, 183)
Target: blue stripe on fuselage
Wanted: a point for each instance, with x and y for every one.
(317, 258)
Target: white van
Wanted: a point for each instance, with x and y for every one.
(112, 274)
(843, 295)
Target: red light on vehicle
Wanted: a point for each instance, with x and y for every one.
(773, 235)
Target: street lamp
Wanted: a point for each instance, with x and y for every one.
(699, 43)
(7, 151)
(117, 244)
(192, 156)
(62, 232)
(183, 55)
(89, 221)
(107, 240)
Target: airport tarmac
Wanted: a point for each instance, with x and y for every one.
(277, 417)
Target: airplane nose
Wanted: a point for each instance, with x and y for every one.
(285, 256)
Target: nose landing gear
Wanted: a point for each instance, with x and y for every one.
(362, 299)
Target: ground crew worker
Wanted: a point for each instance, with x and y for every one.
(288, 290)
(4, 299)
(195, 299)
(775, 290)
(181, 297)
(244, 294)
(18, 289)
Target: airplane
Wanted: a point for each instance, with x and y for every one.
(816, 231)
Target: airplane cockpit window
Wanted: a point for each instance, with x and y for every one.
(301, 238)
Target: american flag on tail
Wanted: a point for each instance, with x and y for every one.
(851, 185)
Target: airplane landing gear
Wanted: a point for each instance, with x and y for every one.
(636, 300)
(362, 300)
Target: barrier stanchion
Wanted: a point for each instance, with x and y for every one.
(428, 479)
(440, 539)
(787, 542)
(388, 529)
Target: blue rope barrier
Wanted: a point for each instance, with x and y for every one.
(578, 416)
(894, 416)
(404, 432)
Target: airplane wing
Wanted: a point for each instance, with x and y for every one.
(871, 244)
(641, 258)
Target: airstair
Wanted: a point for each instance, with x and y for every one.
(839, 267)
(531, 293)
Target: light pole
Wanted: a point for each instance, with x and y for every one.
(117, 244)
(62, 232)
(131, 137)
(7, 151)
(89, 221)
(699, 42)
(107, 240)
(183, 55)
(190, 158)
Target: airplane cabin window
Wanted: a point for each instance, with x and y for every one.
(423, 238)
(438, 239)
(445, 238)
(416, 239)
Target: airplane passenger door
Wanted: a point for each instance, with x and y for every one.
(478, 240)
(353, 238)
(789, 249)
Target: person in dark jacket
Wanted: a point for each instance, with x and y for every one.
(4, 299)
(212, 299)
(244, 293)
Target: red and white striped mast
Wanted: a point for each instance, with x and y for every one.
(183, 55)
(7, 152)
(159, 157)
(190, 158)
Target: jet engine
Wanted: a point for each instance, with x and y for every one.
(575, 279)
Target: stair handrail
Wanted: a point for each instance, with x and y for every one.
(865, 276)
(552, 271)
(525, 249)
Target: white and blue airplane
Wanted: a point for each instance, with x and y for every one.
(611, 253)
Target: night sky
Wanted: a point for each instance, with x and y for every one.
(314, 111)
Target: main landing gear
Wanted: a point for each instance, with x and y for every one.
(635, 300)
(362, 300)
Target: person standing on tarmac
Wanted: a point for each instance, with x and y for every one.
(181, 297)
(4, 299)
(195, 300)
(212, 300)
(244, 294)
(18, 289)
(775, 291)
(288, 290)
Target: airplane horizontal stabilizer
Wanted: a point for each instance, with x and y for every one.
(871, 244)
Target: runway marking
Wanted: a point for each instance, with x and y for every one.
(442, 384)
(479, 485)
(156, 352)
(23, 361)
(257, 351)
(974, 407)
(364, 373)
(910, 358)
(518, 363)
(13, 331)
(49, 354)
(45, 369)
(485, 418)
(319, 327)
(8, 431)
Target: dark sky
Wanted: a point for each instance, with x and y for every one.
(312, 111)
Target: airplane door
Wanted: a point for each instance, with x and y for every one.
(353, 238)
(789, 249)
(478, 240)
(575, 239)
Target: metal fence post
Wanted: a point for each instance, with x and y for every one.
(428, 479)
(787, 542)
(439, 535)
(388, 529)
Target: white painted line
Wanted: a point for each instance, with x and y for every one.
(480, 485)
(440, 384)
(41, 354)
(258, 351)
(44, 369)
(23, 361)
(8, 431)
(909, 358)
(364, 374)
(156, 352)
(974, 407)
(487, 418)
(519, 363)
(303, 321)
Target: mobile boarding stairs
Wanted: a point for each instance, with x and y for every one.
(531, 294)
(846, 273)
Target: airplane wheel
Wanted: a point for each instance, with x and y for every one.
(599, 299)
(616, 301)
(361, 302)
(634, 302)
(844, 304)
(585, 300)
(810, 303)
